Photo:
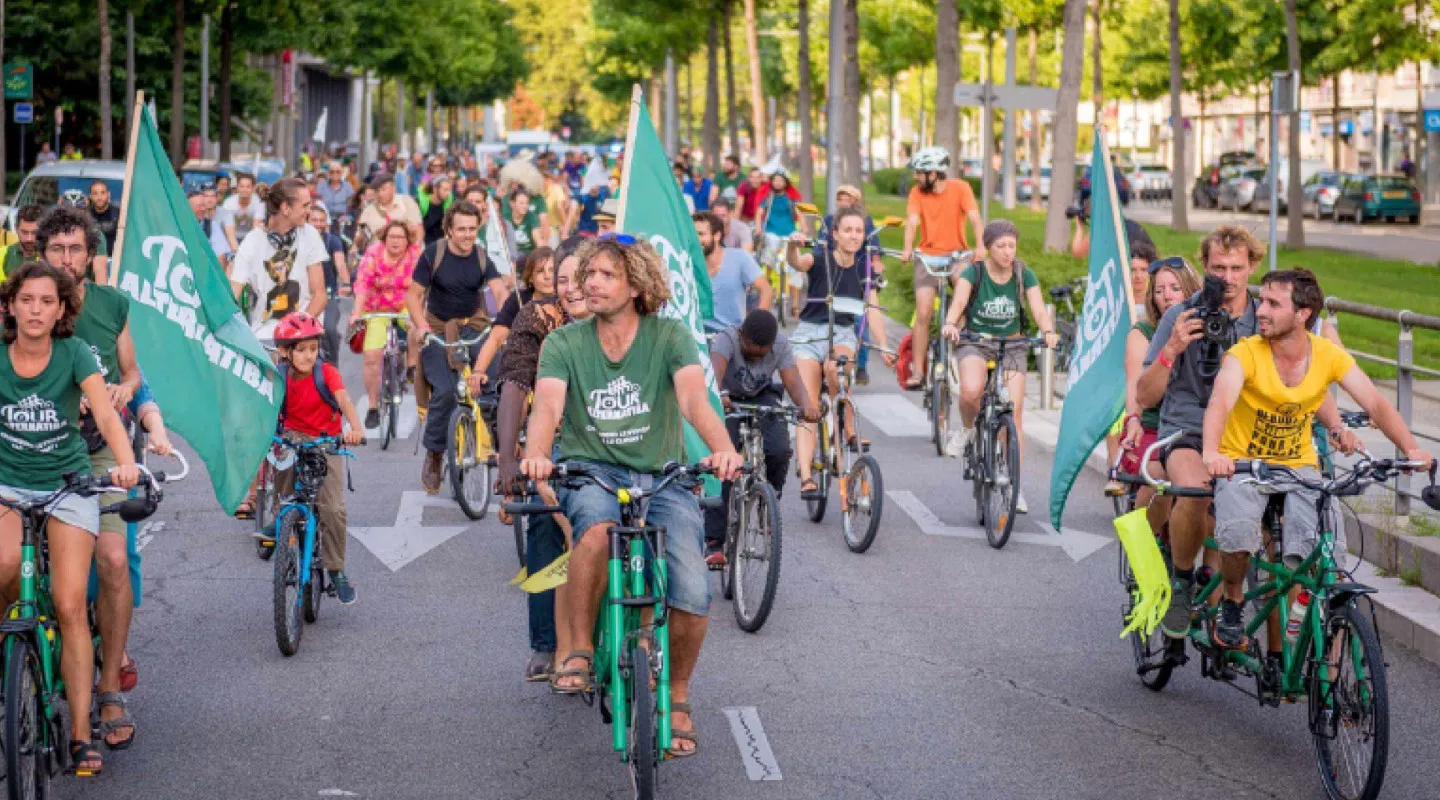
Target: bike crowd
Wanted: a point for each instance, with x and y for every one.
(532, 335)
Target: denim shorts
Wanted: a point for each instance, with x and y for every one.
(675, 509)
(808, 339)
(82, 512)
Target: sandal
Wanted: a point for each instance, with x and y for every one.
(84, 753)
(129, 673)
(246, 510)
(863, 447)
(914, 385)
(586, 675)
(108, 726)
(689, 735)
(810, 490)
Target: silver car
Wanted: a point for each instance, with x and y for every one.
(47, 183)
(1239, 191)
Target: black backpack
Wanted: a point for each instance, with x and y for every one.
(320, 386)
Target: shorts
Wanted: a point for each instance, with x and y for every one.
(1188, 441)
(675, 509)
(923, 279)
(377, 331)
(101, 462)
(74, 509)
(809, 340)
(1130, 461)
(1240, 510)
(1016, 357)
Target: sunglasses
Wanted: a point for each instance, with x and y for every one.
(1173, 262)
(618, 238)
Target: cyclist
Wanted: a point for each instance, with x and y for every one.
(1266, 394)
(310, 413)
(736, 233)
(434, 199)
(618, 386)
(381, 283)
(27, 220)
(839, 261)
(848, 196)
(45, 371)
(1141, 257)
(389, 205)
(243, 211)
(537, 282)
(727, 181)
(337, 277)
(335, 192)
(776, 218)
(447, 296)
(749, 196)
(746, 359)
(937, 210)
(733, 273)
(524, 221)
(283, 261)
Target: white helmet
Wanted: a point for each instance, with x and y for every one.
(931, 159)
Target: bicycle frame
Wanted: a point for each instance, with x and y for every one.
(302, 498)
(621, 620)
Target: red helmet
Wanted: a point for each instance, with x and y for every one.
(297, 327)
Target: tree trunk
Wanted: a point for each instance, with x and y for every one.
(835, 126)
(1295, 227)
(803, 102)
(853, 93)
(1034, 142)
(177, 89)
(1179, 183)
(712, 96)
(1067, 124)
(732, 116)
(400, 103)
(758, 139)
(1097, 77)
(107, 124)
(892, 130)
(947, 73)
(227, 56)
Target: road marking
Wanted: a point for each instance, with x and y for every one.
(755, 752)
(337, 793)
(146, 534)
(407, 539)
(409, 415)
(893, 414)
(1076, 544)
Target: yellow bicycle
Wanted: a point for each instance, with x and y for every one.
(469, 448)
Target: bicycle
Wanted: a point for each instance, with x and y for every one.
(772, 261)
(299, 580)
(752, 524)
(632, 642)
(992, 460)
(392, 374)
(1066, 319)
(34, 728)
(941, 379)
(469, 448)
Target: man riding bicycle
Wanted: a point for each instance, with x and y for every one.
(937, 209)
(1266, 394)
(617, 386)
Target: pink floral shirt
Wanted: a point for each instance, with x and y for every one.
(385, 284)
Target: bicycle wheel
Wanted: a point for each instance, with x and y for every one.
(733, 518)
(1000, 487)
(314, 592)
(266, 506)
(469, 477)
(757, 556)
(864, 502)
(387, 406)
(27, 775)
(1151, 653)
(285, 581)
(1350, 714)
(643, 754)
(940, 410)
(820, 471)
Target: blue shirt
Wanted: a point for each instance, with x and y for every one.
(589, 207)
(700, 193)
(738, 272)
(780, 218)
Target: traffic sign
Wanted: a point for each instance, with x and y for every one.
(19, 81)
(1432, 121)
(24, 113)
(1028, 97)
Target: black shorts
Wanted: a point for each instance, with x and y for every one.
(1188, 441)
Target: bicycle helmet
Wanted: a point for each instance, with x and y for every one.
(298, 327)
(931, 159)
(74, 198)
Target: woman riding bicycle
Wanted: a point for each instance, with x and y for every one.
(525, 222)
(1000, 286)
(44, 373)
(537, 282)
(776, 217)
(381, 281)
(843, 264)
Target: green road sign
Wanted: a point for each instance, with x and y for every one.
(19, 81)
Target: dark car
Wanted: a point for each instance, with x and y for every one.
(1205, 193)
(1378, 197)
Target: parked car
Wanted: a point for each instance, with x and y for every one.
(1205, 192)
(48, 182)
(970, 168)
(1239, 191)
(197, 173)
(1025, 182)
(265, 170)
(1321, 192)
(1308, 167)
(1151, 182)
(1378, 197)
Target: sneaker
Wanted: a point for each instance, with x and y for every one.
(716, 559)
(344, 592)
(1229, 630)
(1020, 505)
(430, 471)
(954, 444)
(862, 377)
(1176, 623)
(538, 668)
(372, 418)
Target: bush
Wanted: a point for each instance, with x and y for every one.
(891, 181)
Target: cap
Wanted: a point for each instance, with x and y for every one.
(608, 210)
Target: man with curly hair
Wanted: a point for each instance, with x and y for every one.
(617, 386)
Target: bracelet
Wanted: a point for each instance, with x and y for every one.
(1165, 361)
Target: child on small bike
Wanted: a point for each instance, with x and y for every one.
(314, 406)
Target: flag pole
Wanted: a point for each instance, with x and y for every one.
(637, 95)
(115, 248)
(1115, 218)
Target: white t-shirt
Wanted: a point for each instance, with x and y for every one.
(280, 281)
(247, 219)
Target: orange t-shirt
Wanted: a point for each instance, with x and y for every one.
(942, 216)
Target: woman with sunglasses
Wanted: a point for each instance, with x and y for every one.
(1142, 255)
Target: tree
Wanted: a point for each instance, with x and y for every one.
(757, 92)
(107, 132)
(899, 37)
(802, 100)
(732, 115)
(947, 74)
(1179, 204)
(177, 89)
(711, 126)
(1067, 123)
(1295, 229)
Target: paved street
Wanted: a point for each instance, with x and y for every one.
(1418, 243)
(930, 667)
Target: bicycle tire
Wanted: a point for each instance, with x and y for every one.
(314, 592)
(732, 520)
(816, 507)
(643, 753)
(285, 582)
(759, 543)
(940, 413)
(1001, 487)
(265, 507)
(1365, 646)
(27, 774)
(864, 504)
(388, 411)
(1151, 653)
(460, 448)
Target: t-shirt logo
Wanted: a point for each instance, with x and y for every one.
(104, 373)
(618, 400)
(999, 308)
(30, 416)
(1279, 434)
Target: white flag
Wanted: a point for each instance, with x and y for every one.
(320, 125)
(497, 246)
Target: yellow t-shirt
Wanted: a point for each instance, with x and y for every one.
(1272, 421)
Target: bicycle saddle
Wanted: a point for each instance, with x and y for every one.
(1061, 292)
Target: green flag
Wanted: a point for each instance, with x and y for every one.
(213, 381)
(651, 207)
(1097, 372)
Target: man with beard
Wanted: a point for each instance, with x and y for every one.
(733, 272)
(107, 216)
(27, 220)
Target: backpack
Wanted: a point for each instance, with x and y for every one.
(1018, 277)
(321, 387)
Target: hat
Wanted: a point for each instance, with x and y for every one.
(608, 210)
(850, 189)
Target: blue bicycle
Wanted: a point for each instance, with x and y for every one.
(300, 580)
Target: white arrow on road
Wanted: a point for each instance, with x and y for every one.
(1076, 544)
(407, 539)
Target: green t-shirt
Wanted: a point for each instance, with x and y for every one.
(723, 182)
(525, 232)
(995, 308)
(39, 438)
(623, 413)
(1150, 417)
(102, 319)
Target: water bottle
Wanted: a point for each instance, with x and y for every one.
(1297, 616)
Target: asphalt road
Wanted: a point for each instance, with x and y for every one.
(931, 667)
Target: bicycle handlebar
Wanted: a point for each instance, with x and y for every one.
(431, 338)
(1165, 487)
(790, 413)
(1031, 341)
(1365, 472)
(573, 475)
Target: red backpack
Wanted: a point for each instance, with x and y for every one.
(903, 364)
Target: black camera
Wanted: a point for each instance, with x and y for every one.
(1077, 211)
(1212, 312)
